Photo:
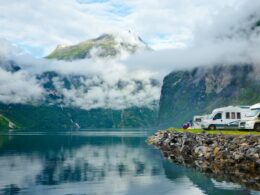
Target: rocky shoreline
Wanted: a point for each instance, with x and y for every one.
(224, 157)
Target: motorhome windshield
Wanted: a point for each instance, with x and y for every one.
(253, 113)
(210, 116)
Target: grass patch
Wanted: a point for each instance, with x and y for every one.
(4, 124)
(226, 132)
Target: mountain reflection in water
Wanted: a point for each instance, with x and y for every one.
(97, 162)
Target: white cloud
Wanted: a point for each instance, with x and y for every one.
(100, 80)
(105, 83)
(105, 95)
(16, 87)
(46, 23)
(41, 24)
(19, 87)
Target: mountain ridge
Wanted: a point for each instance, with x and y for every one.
(106, 45)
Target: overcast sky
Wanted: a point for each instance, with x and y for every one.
(183, 33)
(39, 25)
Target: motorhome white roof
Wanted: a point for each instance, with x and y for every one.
(255, 107)
(200, 116)
(230, 107)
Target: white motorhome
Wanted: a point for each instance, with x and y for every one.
(197, 120)
(252, 120)
(225, 118)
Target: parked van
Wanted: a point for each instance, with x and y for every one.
(197, 120)
(252, 120)
(225, 118)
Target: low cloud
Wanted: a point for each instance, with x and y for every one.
(106, 84)
(87, 83)
(19, 87)
(212, 53)
(96, 92)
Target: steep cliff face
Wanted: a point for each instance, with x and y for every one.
(198, 91)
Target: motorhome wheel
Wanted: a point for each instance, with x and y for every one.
(212, 127)
(257, 127)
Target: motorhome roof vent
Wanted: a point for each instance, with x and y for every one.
(255, 107)
(245, 107)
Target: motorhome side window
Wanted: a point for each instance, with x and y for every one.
(217, 116)
(227, 115)
(198, 120)
(238, 115)
(233, 115)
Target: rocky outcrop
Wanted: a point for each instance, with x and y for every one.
(224, 157)
(6, 124)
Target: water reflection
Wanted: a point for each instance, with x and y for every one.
(96, 164)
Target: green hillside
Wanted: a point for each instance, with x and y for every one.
(5, 123)
(47, 118)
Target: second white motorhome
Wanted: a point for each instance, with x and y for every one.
(225, 118)
(252, 120)
(197, 120)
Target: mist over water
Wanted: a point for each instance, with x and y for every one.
(97, 162)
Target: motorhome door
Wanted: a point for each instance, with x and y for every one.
(218, 120)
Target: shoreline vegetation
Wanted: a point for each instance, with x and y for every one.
(222, 131)
(232, 156)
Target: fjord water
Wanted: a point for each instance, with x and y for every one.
(97, 162)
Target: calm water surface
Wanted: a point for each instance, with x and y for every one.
(97, 162)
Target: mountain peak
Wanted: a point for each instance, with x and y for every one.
(61, 46)
(107, 45)
(105, 36)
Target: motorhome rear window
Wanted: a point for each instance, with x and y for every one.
(227, 115)
(233, 115)
(238, 115)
